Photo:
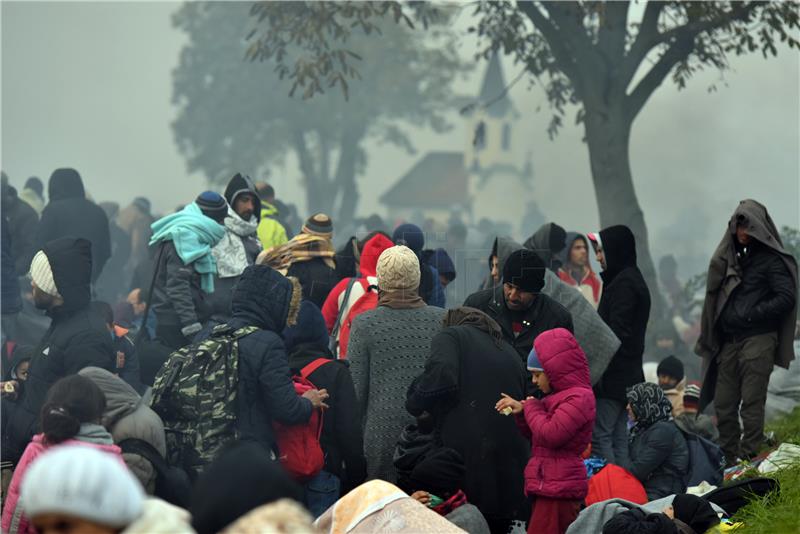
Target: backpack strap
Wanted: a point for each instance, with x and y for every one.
(306, 371)
(146, 450)
(334, 343)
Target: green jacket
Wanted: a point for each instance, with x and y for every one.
(270, 232)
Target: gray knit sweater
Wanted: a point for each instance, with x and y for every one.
(387, 350)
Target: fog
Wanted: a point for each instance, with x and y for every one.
(88, 85)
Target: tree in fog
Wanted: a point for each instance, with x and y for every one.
(235, 115)
(607, 58)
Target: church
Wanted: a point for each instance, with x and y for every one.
(492, 178)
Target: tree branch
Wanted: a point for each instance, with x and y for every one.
(554, 39)
(613, 29)
(645, 40)
(740, 12)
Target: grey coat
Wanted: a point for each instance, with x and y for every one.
(128, 416)
(659, 458)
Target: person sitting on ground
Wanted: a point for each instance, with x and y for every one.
(673, 382)
(691, 420)
(560, 427)
(71, 414)
(437, 482)
(658, 454)
(688, 514)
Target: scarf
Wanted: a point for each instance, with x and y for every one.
(95, 434)
(649, 405)
(400, 299)
(459, 499)
(302, 247)
(193, 235)
(229, 253)
(466, 316)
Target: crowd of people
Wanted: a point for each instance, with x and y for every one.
(224, 368)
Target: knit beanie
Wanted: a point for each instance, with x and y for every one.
(672, 367)
(525, 270)
(212, 205)
(318, 224)
(409, 235)
(42, 274)
(533, 361)
(82, 482)
(398, 268)
(691, 396)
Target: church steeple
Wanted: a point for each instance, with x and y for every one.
(493, 96)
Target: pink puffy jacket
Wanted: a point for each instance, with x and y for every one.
(560, 425)
(14, 519)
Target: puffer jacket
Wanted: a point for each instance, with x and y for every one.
(659, 458)
(128, 417)
(560, 425)
(14, 519)
(266, 299)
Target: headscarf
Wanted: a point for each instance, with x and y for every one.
(466, 316)
(649, 405)
(302, 247)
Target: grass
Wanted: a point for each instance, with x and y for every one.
(777, 514)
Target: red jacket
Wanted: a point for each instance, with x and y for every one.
(560, 425)
(368, 265)
(591, 283)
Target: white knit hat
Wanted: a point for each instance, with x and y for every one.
(42, 274)
(83, 482)
(398, 268)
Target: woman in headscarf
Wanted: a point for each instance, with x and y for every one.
(468, 368)
(658, 453)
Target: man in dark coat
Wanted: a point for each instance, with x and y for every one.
(747, 325)
(22, 223)
(266, 299)
(518, 305)
(70, 213)
(430, 286)
(625, 308)
(548, 242)
(10, 298)
(112, 284)
(77, 338)
(341, 440)
(469, 367)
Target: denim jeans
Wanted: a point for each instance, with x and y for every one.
(610, 437)
(321, 492)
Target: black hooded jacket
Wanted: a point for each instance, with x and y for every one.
(22, 223)
(625, 308)
(243, 185)
(263, 298)
(69, 213)
(77, 338)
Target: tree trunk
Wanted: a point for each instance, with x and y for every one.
(608, 137)
(345, 180)
(319, 194)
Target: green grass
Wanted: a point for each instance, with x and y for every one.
(777, 514)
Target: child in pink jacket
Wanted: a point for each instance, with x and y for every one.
(560, 427)
(71, 414)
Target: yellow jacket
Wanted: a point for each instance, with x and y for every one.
(270, 231)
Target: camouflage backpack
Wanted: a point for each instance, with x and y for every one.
(195, 394)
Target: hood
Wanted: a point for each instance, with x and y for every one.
(502, 248)
(411, 236)
(121, 398)
(619, 249)
(65, 183)
(759, 225)
(21, 353)
(242, 185)
(71, 262)
(371, 252)
(563, 360)
(309, 329)
(547, 242)
(563, 256)
(265, 298)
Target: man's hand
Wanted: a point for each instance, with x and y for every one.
(506, 405)
(422, 497)
(317, 398)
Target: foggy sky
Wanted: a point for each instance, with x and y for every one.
(88, 85)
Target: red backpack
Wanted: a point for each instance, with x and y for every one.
(300, 452)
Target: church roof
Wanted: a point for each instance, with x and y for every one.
(438, 180)
(493, 89)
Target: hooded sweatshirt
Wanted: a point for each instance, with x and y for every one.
(588, 283)
(502, 248)
(548, 242)
(77, 338)
(69, 213)
(625, 308)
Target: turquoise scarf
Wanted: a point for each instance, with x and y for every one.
(194, 235)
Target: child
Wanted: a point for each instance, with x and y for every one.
(672, 381)
(560, 426)
(693, 422)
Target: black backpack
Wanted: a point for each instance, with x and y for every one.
(172, 483)
(706, 461)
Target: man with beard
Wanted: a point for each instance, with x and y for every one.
(61, 277)
(240, 246)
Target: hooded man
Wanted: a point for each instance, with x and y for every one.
(185, 268)
(22, 223)
(548, 242)
(77, 338)
(135, 219)
(240, 246)
(111, 286)
(747, 325)
(70, 213)
(576, 271)
(625, 307)
(501, 250)
(518, 305)
(33, 194)
(430, 286)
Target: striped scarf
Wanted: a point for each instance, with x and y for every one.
(300, 248)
